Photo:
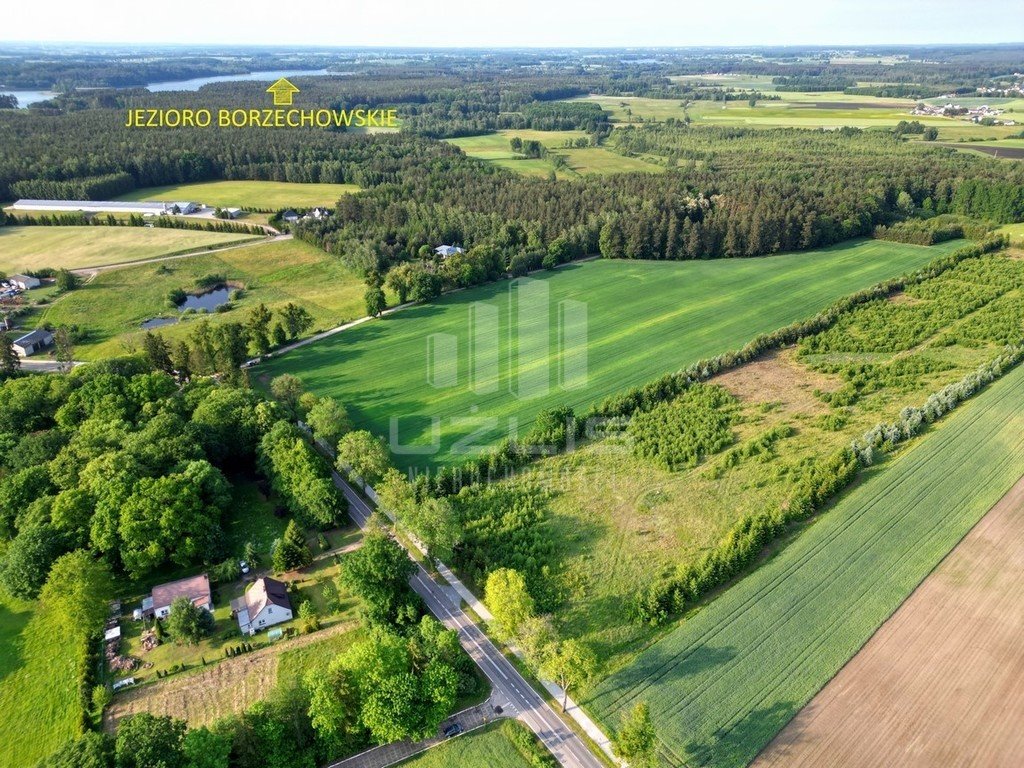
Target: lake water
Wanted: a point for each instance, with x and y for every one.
(209, 300)
(31, 97)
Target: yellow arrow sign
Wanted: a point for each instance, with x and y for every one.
(283, 92)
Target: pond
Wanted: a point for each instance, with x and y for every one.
(208, 300)
(158, 322)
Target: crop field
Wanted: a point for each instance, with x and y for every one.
(728, 678)
(494, 148)
(794, 110)
(224, 688)
(642, 319)
(248, 194)
(30, 248)
(38, 686)
(111, 307)
(939, 680)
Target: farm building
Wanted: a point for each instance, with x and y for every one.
(289, 216)
(195, 588)
(264, 604)
(106, 206)
(33, 342)
(24, 282)
(444, 251)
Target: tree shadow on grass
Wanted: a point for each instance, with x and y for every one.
(739, 744)
(12, 626)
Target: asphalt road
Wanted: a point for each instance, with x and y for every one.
(510, 689)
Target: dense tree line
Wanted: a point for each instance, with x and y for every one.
(125, 463)
(733, 192)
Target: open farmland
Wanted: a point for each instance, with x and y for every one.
(793, 110)
(111, 307)
(38, 685)
(644, 319)
(494, 148)
(31, 248)
(259, 195)
(938, 684)
(723, 683)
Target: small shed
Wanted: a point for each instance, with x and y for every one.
(24, 282)
(30, 343)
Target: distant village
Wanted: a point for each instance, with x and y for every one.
(984, 114)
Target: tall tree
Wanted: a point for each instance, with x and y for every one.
(365, 454)
(258, 326)
(157, 351)
(636, 739)
(570, 663)
(10, 363)
(509, 601)
(65, 351)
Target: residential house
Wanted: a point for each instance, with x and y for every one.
(444, 251)
(30, 343)
(195, 588)
(264, 604)
(289, 216)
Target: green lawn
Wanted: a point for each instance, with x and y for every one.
(38, 685)
(728, 678)
(112, 306)
(248, 194)
(644, 319)
(29, 248)
(489, 747)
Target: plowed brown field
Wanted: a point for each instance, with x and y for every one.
(942, 682)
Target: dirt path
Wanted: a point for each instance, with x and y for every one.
(940, 683)
(224, 688)
(92, 271)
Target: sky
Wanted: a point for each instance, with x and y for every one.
(533, 23)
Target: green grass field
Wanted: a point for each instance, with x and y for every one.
(495, 148)
(644, 318)
(28, 248)
(794, 110)
(111, 307)
(733, 674)
(248, 194)
(38, 686)
(488, 747)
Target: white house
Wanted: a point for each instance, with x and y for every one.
(444, 251)
(195, 588)
(33, 342)
(265, 604)
(24, 282)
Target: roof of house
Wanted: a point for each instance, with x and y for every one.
(38, 336)
(448, 250)
(22, 278)
(195, 588)
(264, 592)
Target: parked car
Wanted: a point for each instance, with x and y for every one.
(244, 566)
(452, 730)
